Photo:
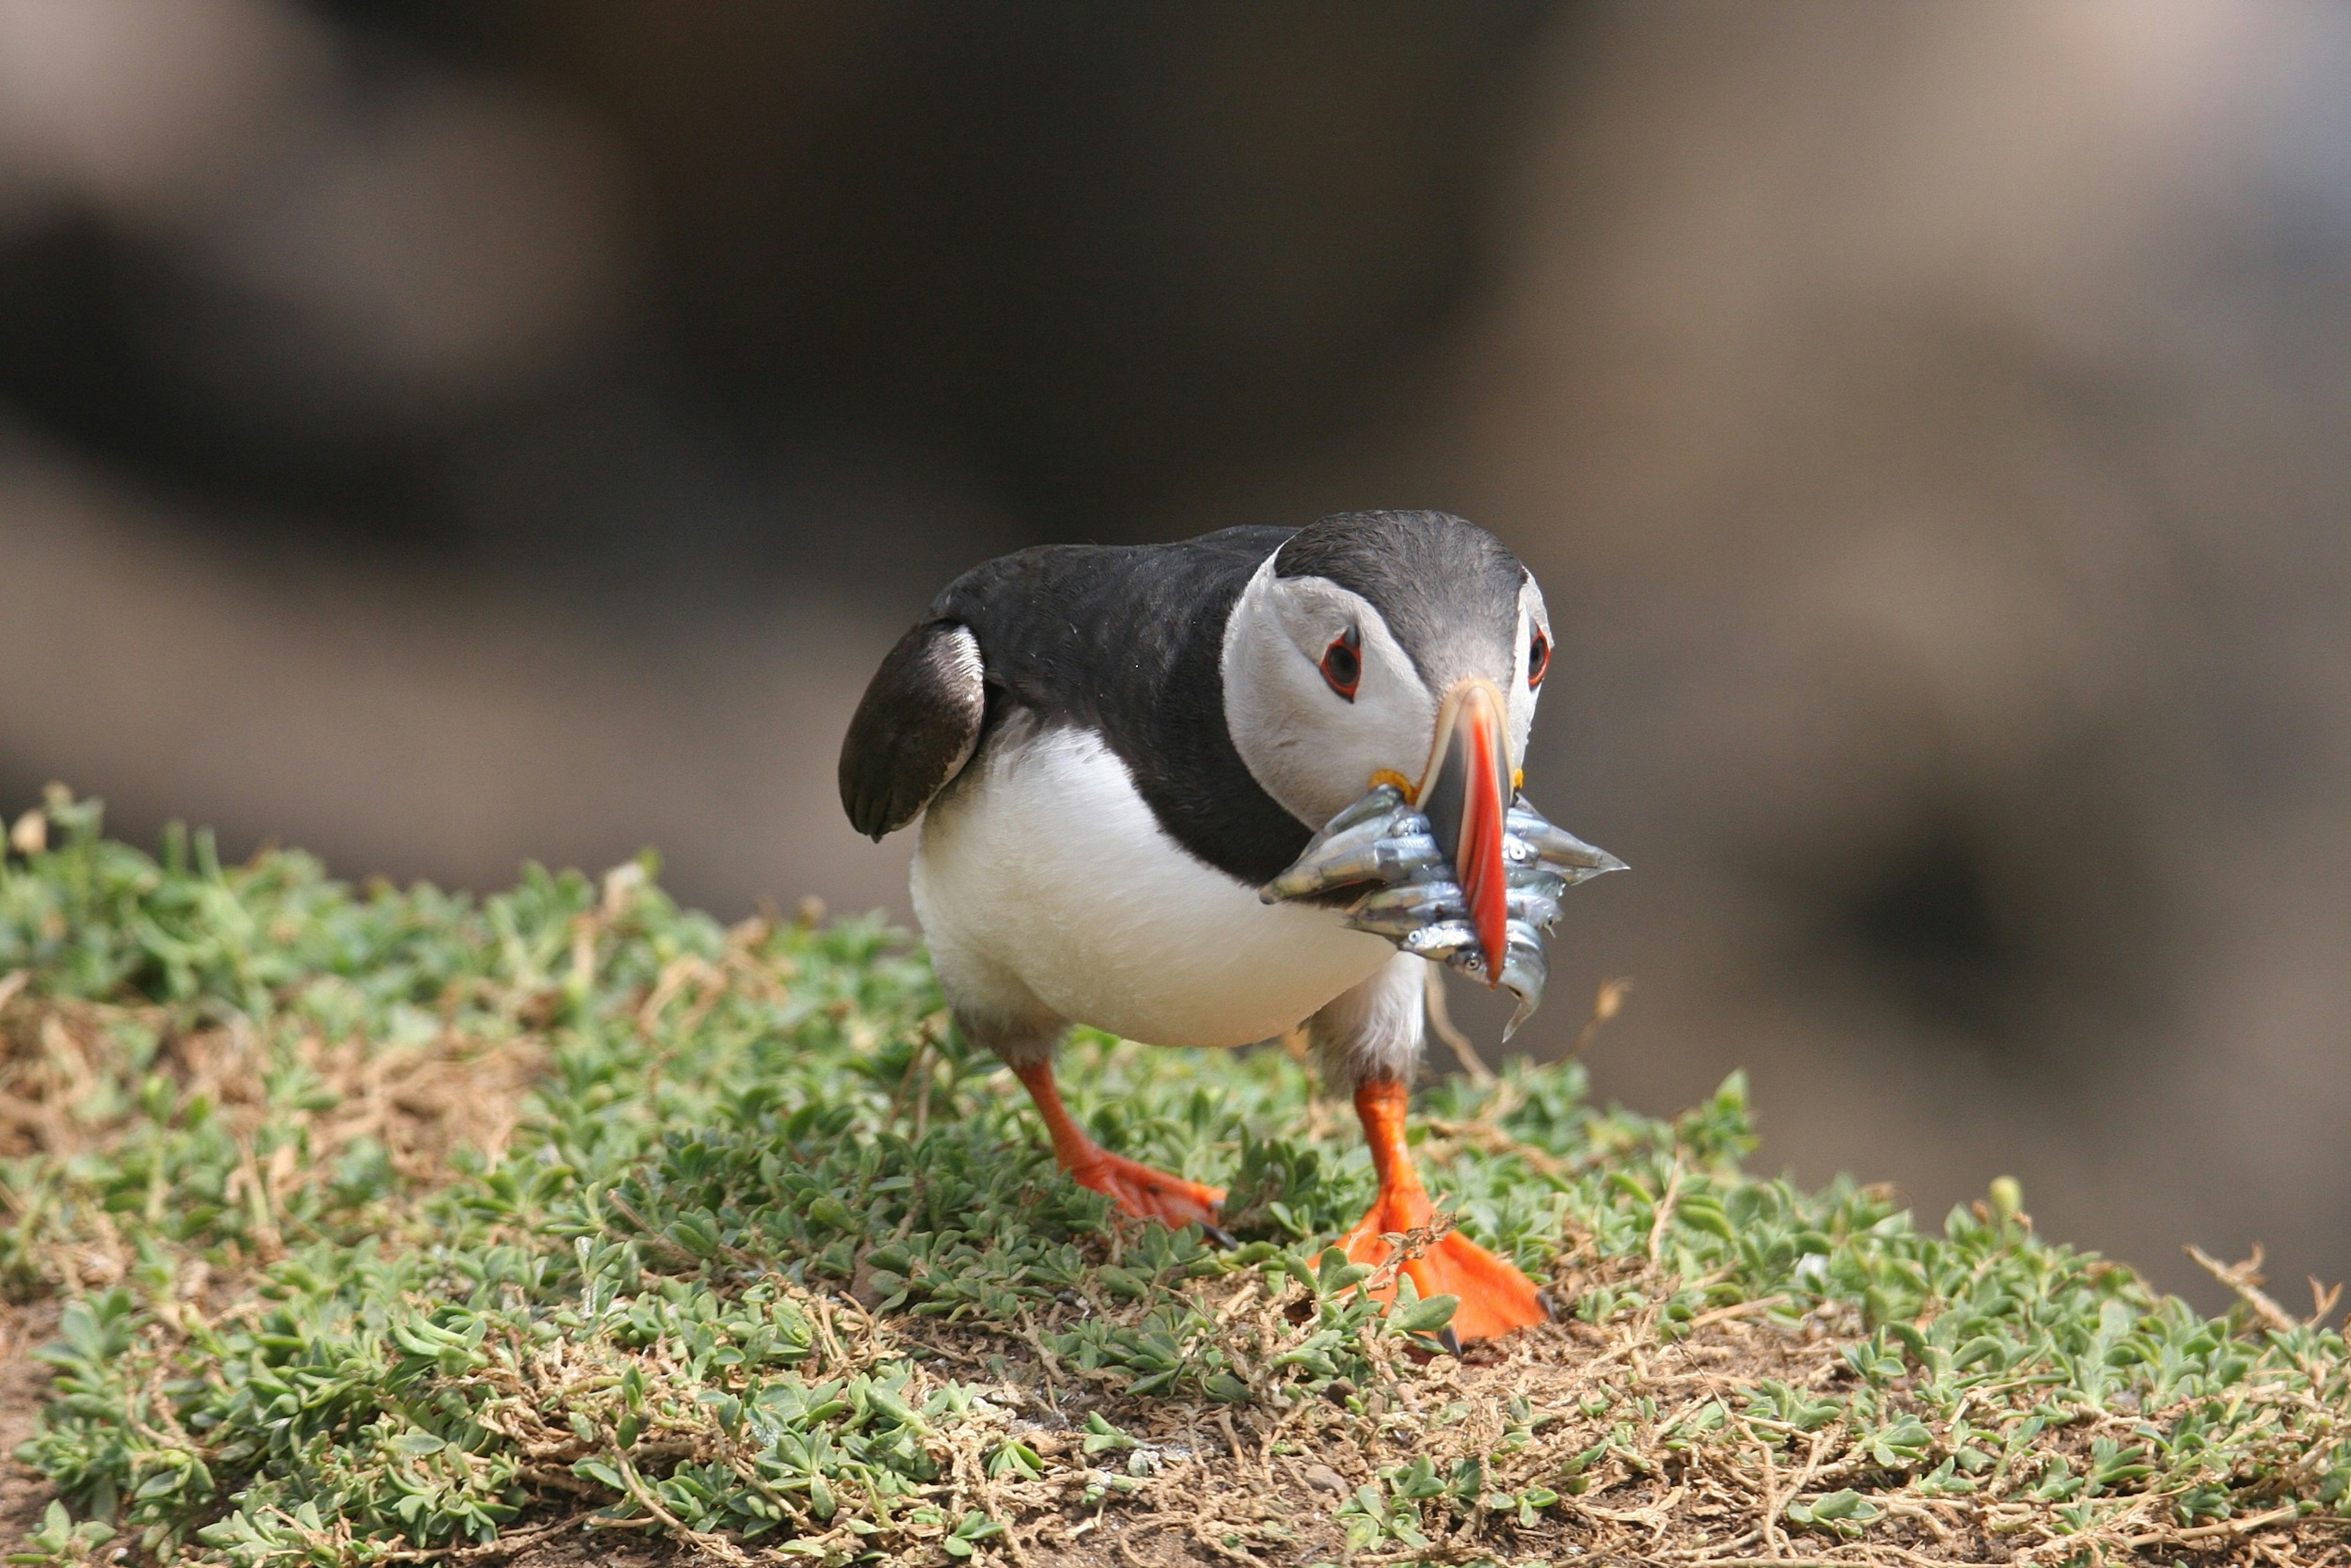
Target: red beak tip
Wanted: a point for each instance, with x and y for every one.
(1472, 758)
(1483, 877)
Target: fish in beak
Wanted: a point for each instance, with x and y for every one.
(1465, 793)
(1455, 869)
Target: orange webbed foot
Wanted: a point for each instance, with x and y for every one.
(1135, 1187)
(1149, 1194)
(1496, 1298)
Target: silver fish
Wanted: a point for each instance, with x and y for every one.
(1399, 911)
(1383, 845)
(1447, 941)
(1536, 902)
(1524, 970)
(1379, 840)
(1570, 856)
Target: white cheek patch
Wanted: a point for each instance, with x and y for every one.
(1521, 699)
(1306, 745)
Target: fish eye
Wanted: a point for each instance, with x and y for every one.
(1538, 660)
(1342, 663)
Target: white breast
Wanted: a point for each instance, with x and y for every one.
(1042, 863)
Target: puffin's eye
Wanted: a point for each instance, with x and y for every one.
(1343, 664)
(1538, 660)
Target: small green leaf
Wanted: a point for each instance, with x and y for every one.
(1426, 1315)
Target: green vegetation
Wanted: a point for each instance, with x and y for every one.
(381, 1225)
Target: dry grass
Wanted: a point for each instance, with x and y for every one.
(1251, 1486)
(574, 1228)
(62, 1063)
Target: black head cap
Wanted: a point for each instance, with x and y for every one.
(1448, 589)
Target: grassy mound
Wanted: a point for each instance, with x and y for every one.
(382, 1225)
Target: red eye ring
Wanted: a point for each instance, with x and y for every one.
(1538, 660)
(1342, 663)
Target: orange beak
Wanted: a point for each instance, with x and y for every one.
(1465, 795)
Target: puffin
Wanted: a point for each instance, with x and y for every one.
(1113, 751)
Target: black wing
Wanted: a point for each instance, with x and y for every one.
(1126, 642)
(915, 729)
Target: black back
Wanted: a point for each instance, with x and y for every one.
(1128, 642)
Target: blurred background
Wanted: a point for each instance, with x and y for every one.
(443, 434)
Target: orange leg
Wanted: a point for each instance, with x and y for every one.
(1495, 1297)
(1134, 1187)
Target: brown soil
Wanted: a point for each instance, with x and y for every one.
(420, 1102)
(23, 1494)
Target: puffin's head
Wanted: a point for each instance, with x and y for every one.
(1393, 647)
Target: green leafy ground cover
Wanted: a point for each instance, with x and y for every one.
(381, 1225)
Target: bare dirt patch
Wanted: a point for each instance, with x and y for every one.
(23, 1382)
(61, 1058)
